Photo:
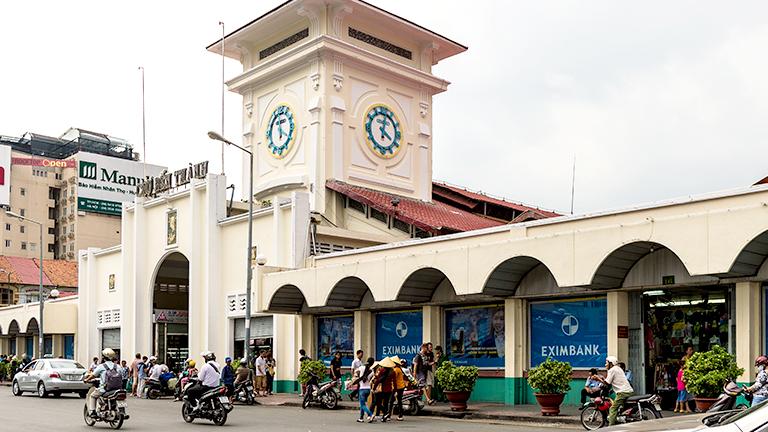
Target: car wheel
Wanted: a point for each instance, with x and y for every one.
(15, 389)
(41, 392)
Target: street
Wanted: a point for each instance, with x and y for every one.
(30, 413)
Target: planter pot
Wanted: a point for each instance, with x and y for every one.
(549, 403)
(458, 399)
(703, 404)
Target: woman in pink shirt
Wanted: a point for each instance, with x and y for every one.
(682, 393)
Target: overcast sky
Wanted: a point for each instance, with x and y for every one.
(655, 99)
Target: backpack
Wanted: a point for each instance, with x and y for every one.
(112, 379)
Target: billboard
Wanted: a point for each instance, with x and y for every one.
(399, 333)
(104, 182)
(570, 331)
(5, 175)
(475, 336)
(336, 333)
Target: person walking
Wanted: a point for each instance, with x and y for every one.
(271, 366)
(144, 367)
(682, 394)
(759, 389)
(400, 383)
(125, 372)
(357, 363)
(336, 367)
(621, 387)
(429, 362)
(228, 377)
(135, 374)
(303, 357)
(383, 382)
(363, 376)
(260, 380)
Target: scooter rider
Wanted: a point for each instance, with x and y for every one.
(209, 378)
(108, 357)
(621, 386)
(759, 389)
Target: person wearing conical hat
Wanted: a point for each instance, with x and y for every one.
(383, 383)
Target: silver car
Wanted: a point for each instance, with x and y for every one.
(51, 376)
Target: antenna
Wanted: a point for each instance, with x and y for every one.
(221, 23)
(573, 182)
(143, 126)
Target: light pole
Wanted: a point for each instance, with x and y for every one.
(249, 270)
(41, 297)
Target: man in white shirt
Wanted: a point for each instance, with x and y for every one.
(357, 363)
(157, 370)
(621, 387)
(209, 376)
(260, 379)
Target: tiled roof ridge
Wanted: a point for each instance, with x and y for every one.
(460, 188)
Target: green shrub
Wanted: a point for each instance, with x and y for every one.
(705, 373)
(315, 366)
(456, 378)
(551, 377)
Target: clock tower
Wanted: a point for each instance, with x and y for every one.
(337, 90)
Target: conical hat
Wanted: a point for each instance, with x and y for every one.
(396, 359)
(387, 363)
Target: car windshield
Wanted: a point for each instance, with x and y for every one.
(66, 364)
(730, 419)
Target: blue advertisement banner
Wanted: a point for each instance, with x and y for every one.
(570, 331)
(334, 334)
(398, 333)
(475, 336)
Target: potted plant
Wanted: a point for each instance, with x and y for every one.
(457, 383)
(705, 374)
(551, 379)
(316, 367)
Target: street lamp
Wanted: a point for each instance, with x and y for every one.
(41, 296)
(249, 270)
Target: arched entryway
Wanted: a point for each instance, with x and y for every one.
(13, 333)
(33, 329)
(170, 310)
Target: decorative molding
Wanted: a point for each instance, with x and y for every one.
(314, 19)
(428, 54)
(338, 73)
(285, 43)
(249, 109)
(314, 73)
(423, 103)
(380, 43)
(108, 318)
(245, 55)
(338, 18)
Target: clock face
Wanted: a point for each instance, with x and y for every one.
(281, 131)
(383, 131)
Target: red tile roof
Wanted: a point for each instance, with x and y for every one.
(435, 217)
(472, 199)
(763, 181)
(25, 271)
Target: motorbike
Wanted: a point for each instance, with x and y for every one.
(244, 392)
(594, 414)
(326, 394)
(412, 398)
(110, 408)
(727, 400)
(213, 405)
(165, 386)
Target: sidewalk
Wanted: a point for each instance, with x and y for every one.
(477, 411)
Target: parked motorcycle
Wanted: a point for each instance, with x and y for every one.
(110, 408)
(594, 414)
(214, 405)
(727, 400)
(326, 394)
(165, 386)
(412, 398)
(244, 393)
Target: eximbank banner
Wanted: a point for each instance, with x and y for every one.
(104, 182)
(398, 333)
(570, 331)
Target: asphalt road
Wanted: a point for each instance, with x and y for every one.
(30, 413)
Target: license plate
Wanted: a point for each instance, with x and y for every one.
(223, 399)
(122, 404)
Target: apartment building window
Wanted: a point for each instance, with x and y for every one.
(51, 213)
(52, 230)
(7, 243)
(51, 193)
(39, 172)
(64, 211)
(23, 192)
(51, 248)
(71, 247)
(58, 177)
(21, 229)
(33, 247)
(22, 212)
(64, 230)
(7, 227)
(72, 209)
(72, 191)
(23, 245)
(64, 195)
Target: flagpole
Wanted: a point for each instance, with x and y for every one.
(143, 126)
(221, 23)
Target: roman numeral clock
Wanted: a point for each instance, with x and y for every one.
(281, 131)
(383, 131)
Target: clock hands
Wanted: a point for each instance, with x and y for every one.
(383, 128)
(280, 128)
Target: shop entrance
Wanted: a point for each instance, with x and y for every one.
(170, 311)
(675, 320)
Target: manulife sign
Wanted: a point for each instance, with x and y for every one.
(104, 183)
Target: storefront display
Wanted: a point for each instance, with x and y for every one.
(572, 331)
(399, 333)
(475, 336)
(674, 322)
(336, 334)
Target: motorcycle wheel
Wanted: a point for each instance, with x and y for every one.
(413, 407)
(186, 412)
(249, 399)
(330, 400)
(88, 420)
(305, 402)
(153, 394)
(221, 416)
(648, 414)
(117, 423)
(592, 419)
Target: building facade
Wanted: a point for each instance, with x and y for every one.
(365, 251)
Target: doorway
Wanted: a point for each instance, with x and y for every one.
(170, 311)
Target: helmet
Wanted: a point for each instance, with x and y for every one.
(152, 359)
(228, 359)
(108, 354)
(612, 360)
(191, 363)
(208, 356)
(761, 361)
(243, 361)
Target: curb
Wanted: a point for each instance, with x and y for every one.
(470, 415)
